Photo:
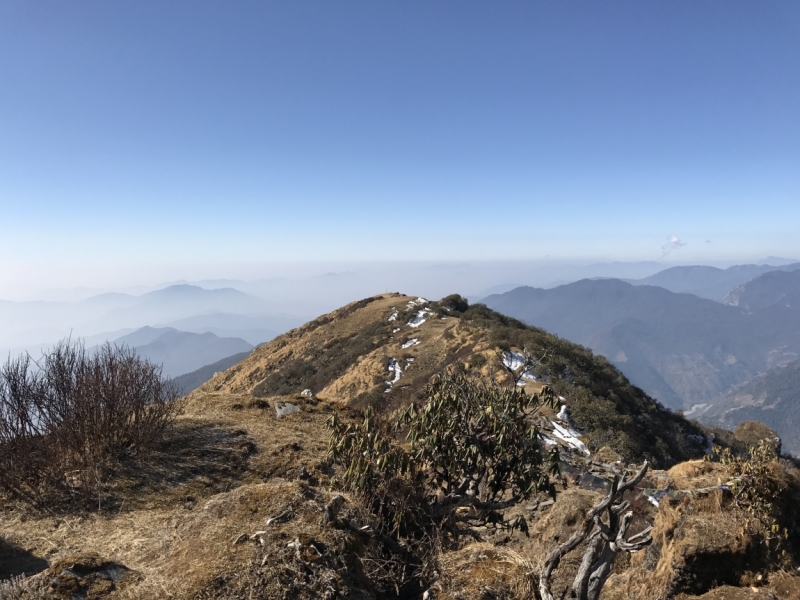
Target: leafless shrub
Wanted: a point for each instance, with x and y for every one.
(22, 588)
(66, 419)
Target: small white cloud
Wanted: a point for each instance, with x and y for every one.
(673, 243)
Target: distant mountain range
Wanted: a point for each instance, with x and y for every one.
(682, 349)
(774, 289)
(225, 311)
(708, 282)
(772, 398)
(182, 352)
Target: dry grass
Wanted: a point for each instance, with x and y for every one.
(483, 570)
(24, 588)
(231, 464)
(228, 468)
(694, 474)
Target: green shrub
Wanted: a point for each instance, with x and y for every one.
(473, 445)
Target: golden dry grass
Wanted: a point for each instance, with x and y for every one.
(482, 570)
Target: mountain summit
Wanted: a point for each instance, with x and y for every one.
(382, 351)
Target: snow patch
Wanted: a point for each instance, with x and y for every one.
(411, 342)
(570, 437)
(394, 367)
(697, 408)
(393, 316)
(548, 441)
(562, 414)
(421, 317)
(395, 330)
(515, 360)
(417, 302)
(286, 408)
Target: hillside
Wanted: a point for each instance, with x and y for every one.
(382, 351)
(770, 289)
(679, 348)
(181, 352)
(772, 398)
(708, 282)
(188, 382)
(233, 503)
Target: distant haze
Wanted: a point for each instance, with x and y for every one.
(257, 309)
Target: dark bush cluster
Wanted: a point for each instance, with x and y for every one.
(473, 444)
(68, 418)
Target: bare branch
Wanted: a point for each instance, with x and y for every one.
(606, 541)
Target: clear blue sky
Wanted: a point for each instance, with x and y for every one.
(141, 133)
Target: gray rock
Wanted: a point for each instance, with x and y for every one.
(332, 509)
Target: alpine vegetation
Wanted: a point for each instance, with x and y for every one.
(67, 418)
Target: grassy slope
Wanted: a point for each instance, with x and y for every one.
(343, 357)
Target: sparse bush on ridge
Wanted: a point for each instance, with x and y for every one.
(474, 451)
(765, 493)
(67, 418)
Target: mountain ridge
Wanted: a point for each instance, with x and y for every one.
(382, 351)
(680, 348)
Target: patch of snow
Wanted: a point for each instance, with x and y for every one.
(411, 342)
(395, 330)
(548, 441)
(393, 316)
(285, 408)
(421, 317)
(417, 302)
(570, 437)
(394, 367)
(655, 498)
(562, 414)
(515, 360)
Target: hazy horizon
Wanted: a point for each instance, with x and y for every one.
(149, 142)
(485, 274)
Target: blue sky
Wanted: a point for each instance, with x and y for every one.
(166, 138)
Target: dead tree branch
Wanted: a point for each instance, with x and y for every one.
(606, 540)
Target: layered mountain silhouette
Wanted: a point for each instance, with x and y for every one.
(182, 352)
(682, 349)
(224, 311)
(774, 289)
(708, 282)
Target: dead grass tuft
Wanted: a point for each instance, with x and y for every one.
(483, 570)
(694, 474)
